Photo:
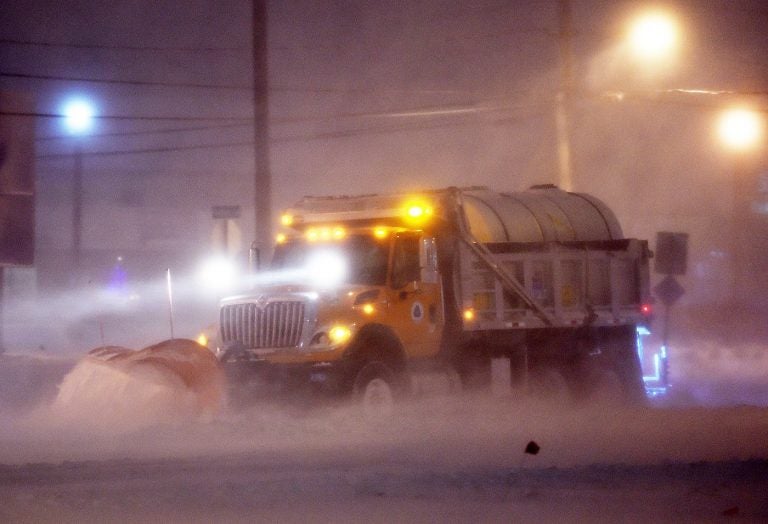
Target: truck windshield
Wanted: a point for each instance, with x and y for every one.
(357, 259)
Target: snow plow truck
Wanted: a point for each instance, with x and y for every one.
(364, 293)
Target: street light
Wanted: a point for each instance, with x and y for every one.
(78, 119)
(78, 116)
(740, 129)
(653, 36)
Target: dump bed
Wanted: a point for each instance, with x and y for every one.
(547, 258)
(574, 283)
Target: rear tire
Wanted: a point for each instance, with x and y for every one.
(474, 370)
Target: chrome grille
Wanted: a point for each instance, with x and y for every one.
(276, 325)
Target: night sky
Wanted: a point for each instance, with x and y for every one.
(377, 97)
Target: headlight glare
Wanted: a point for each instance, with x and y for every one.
(339, 334)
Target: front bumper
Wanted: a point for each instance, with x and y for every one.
(255, 379)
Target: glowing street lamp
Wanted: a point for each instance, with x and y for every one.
(740, 129)
(78, 116)
(653, 36)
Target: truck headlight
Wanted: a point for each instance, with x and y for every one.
(339, 334)
(331, 337)
(217, 274)
(326, 268)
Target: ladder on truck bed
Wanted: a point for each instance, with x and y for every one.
(507, 280)
(551, 284)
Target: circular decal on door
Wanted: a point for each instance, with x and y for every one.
(417, 311)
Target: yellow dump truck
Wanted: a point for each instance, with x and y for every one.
(364, 292)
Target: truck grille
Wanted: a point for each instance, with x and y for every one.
(277, 325)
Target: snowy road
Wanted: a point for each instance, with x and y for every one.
(281, 489)
(441, 458)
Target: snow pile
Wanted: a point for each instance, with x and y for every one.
(102, 397)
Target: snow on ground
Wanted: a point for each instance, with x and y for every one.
(140, 456)
(710, 373)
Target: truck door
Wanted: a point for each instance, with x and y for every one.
(415, 301)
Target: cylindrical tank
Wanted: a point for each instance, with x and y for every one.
(540, 214)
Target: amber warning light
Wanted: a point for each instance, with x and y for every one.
(416, 211)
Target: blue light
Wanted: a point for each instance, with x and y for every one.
(656, 367)
(78, 115)
(118, 278)
(656, 385)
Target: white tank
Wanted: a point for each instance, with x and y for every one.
(540, 214)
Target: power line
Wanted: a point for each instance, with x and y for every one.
(416, 112)
(274, 89)
(711, 92)
(126, 117)
(422, 112)
(125, 82)
(387, 129)
(703, 97)
(146, 132)
(147, 151)
(39, 43)
(350, 133)
(361, 90)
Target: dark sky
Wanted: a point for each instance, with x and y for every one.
(330, 61)
(384, 96)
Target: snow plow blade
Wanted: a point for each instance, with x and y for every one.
(174, 379)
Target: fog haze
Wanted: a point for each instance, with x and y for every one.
(372, 97)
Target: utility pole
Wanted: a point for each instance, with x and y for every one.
(740, 223)
(564, 98)
(77, 208)
(262, 178)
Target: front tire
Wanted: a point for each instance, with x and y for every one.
(375, 388)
